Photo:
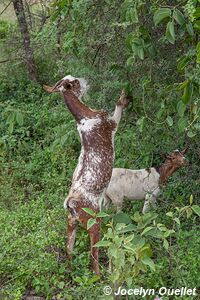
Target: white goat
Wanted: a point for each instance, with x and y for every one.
(142, 184)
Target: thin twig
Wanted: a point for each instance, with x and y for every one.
(4, 61)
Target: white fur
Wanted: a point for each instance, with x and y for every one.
(88, 124)
(133, 185)
(83, 83)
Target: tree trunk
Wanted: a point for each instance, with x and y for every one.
(29, 59)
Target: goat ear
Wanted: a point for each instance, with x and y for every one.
(50, 89)
(184, 151)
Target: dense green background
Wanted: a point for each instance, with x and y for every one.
(114, 45)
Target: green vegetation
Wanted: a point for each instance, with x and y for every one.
(150, 48)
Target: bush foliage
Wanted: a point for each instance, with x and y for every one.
(149, 48)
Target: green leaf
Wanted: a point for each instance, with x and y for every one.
(190, 29)
(61, 285)
(196, 209)
(189, 212)
(89, 211)
(161, 14)
(179, 17)
(147, 229)
(138, 242)
(102, 244)
(191, 134)
(182, 124)
(90, 223)
(140, 123)
(141, 53)
(122, 218)
(11, 117)
(177, 221)
(170, 33)
(148, 262)
(102, 214)
(169, 121)
(188, 92)
(11, 127)
(191, 199)
(19, 118)
(169, 214)
(181, 107)
(166, 244)
(128, 228)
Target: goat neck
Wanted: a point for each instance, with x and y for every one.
(166, 170)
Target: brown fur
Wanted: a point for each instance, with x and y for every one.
(94, 170)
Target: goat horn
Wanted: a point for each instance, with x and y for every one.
(184, 151)
(54, 88)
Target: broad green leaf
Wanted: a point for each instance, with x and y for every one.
(89, 211)
(140, 123)
(11, 127)
(182, 124)
(169, 214)
(161, 14)
(197, 24)
(90, 223)
(149, 262)
(196, 209)
(188, 92)
(189, 212)
(190, 28)
(141, 53)
(146, 230)
(122, 218)
(128, 228)
(170, 33)
(166, 244)
(155, 233)
(61, 285)
(129, 238)
(178, 16)
(169, 121)
(11, 117)
(19, 118)
(102, 244)
(197, 13)
(177, 221)
(181, 107)
(138, 242)
(102, 214)
(191, 134)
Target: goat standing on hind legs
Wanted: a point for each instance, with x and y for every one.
(93, 172)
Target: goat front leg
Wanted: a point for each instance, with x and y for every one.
(71, 235)
(94, 233)
(121, 104)
(150, 201)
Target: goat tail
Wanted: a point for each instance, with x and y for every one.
(70, 204)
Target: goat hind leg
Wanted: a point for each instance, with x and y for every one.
(94, 233)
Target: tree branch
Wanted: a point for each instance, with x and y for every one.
(5, 8)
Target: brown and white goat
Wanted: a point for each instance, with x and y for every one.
(93, 172)
(143, 184)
